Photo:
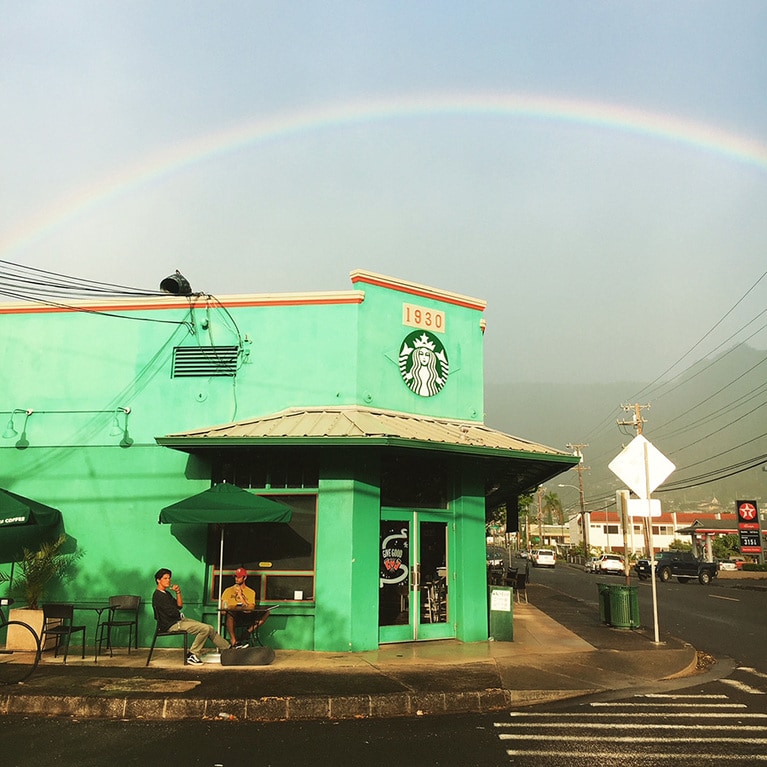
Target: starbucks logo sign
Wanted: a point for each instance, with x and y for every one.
(423, 363)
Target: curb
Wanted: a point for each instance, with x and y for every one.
(276, 709)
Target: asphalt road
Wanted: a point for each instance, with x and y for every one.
(721, 620)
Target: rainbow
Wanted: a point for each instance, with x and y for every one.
(172, 159)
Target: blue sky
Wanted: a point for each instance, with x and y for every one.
(604, 252)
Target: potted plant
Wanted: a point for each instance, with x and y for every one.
(37, 569)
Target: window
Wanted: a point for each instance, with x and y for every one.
(610, 529)
(414, 482)
(279, 558)
(269, 470)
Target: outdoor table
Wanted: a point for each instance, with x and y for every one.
(99, 609)
(260, 614)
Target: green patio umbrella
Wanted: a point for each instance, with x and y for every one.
(225, 504)
(25, 524)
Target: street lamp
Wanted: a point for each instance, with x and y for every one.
(586, 521)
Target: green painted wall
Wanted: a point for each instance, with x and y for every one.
(75, 368)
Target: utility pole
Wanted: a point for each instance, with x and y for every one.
(585, 520)
(637, 420)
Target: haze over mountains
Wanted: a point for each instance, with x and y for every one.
(710, 421)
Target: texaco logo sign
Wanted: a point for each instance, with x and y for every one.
(423, 363)
(747, 511)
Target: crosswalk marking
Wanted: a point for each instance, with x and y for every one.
(753, 671)
(637, 739)
(715, 706)
(639, 755)
(663, 695)
(630, 726)
(696, 727)
(647, 715)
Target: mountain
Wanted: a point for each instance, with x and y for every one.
(710, 421)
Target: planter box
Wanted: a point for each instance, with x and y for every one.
(17, 638)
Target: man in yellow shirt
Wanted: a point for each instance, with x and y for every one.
(239, 596)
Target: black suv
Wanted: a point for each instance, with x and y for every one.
(683, 565)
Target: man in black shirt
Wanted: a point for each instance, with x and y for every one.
(167, 603)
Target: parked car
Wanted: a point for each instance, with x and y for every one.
(591, 565)
(683, 565)
(609, 563)
(733, 563)
(496, 557)
(544, 558)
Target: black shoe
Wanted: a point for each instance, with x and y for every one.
(241, 645)
(193, 660)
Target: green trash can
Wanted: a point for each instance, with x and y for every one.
(604, 602)
(624, 607)
(501, 604)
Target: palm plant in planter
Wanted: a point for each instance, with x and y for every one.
(36, 570)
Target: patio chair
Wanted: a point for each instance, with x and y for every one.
(158, 633)
(124, 612)
(57, 623)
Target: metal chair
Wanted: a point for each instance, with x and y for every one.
(57, 623)
(124, 610)
(158, 633)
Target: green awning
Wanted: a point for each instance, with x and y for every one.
(225, 504)
(25, 524)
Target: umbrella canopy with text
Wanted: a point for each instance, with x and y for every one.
(25, 524)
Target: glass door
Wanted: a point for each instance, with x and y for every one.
(413, 591)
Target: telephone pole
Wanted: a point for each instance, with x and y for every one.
(636, 420)
(585, 521)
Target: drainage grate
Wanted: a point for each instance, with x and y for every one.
(204, 361)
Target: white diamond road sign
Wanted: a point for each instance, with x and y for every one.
(641, 466)
(640, 507)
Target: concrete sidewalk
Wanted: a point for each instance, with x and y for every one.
(560, 650)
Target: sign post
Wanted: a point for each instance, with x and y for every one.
(643, 467)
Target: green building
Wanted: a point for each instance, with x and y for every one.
(361, 410)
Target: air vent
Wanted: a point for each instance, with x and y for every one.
(204, 361)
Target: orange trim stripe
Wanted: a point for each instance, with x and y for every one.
(319, 301)
(421, 292)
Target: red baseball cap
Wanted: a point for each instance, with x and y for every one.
(240, 572)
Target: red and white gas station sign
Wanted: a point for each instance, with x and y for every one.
(749, 530)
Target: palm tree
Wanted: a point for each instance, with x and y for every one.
(551, 505)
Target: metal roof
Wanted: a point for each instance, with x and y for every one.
(346, 424)
(710, 526)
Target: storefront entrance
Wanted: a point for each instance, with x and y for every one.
(414, 576)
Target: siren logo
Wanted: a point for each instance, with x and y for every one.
(423, 363)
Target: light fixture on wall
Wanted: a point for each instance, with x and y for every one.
(10, 430)
(116, 429)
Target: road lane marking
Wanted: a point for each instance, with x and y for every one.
(729, 599)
